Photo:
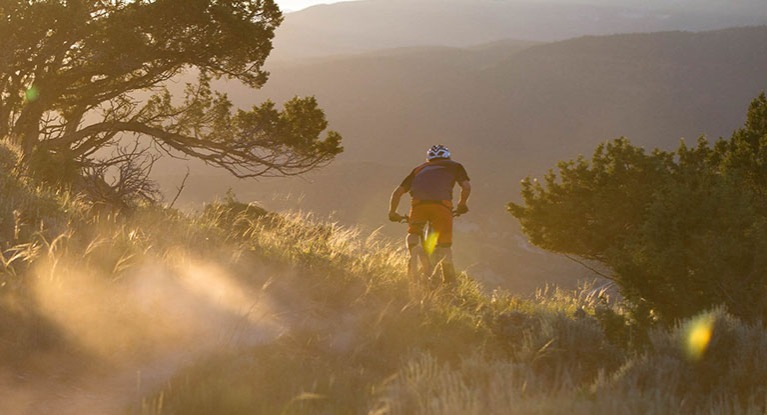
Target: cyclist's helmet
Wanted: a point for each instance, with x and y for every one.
(438, 152)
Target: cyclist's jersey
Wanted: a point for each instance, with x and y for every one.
(434, 180)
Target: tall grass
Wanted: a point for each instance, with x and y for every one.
(390, 346)
(330, 322)
(383, 344)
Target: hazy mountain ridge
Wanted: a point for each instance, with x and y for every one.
(741, 7)
(354, 27)
(589, 89)
(650, 87)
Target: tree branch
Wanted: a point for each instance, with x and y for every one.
(180, 188)
(590, 268)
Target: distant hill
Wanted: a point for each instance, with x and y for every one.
(534, 104)
(359, 26)
(506, 111)
(733, 7)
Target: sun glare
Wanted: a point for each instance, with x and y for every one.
(431, 242)
(699, 336)
(212, 285)
(156, 308)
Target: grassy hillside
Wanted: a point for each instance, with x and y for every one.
(237, 310)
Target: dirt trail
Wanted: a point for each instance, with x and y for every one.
(111, 386)
(147, 335)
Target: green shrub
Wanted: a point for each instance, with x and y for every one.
(710, 361)
(231, 214)
(680, 232)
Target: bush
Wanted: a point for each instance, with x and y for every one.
(27, 210)
(710, 361)
(681, 232)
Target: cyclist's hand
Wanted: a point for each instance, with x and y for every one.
(395, 217)
(461, 209)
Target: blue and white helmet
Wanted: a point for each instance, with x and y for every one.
(438, 152)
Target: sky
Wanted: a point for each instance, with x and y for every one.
(295, 5)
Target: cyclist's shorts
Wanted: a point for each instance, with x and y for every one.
(439, 215)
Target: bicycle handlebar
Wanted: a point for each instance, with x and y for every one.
(406, 218)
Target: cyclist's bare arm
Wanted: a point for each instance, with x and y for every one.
(465, 192)
(395, 198)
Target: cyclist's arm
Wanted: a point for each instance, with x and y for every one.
(465, 192)
(395, 198)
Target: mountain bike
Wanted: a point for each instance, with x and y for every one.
(426, 259)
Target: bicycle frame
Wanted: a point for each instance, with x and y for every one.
(425, 250)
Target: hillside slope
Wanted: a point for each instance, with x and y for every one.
(235, 310)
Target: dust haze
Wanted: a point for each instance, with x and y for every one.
(132, 334)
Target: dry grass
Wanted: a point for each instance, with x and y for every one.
(300, 316)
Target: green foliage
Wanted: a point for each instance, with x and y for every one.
(81, 80)
(591, 204)
(728, 369)
(231, 214)
(26, 210)
(61, 169)
(726, 377)
(681, 231)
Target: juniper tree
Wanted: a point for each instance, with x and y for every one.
(77, 77)
(680, 231)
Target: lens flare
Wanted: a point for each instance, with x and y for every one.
(32, 94)
(431, 242)
(698, 336)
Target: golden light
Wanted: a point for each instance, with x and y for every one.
(699, 336)
(157, 308)
(431, 242)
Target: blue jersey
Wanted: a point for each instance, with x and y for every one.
(434, 180)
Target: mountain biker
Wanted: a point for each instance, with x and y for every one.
(431, 189)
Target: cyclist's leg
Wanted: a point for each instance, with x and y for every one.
(417, 256)
(415, 246)
(444, 256)
(443, 224)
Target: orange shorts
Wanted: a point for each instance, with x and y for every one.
(439, 216)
